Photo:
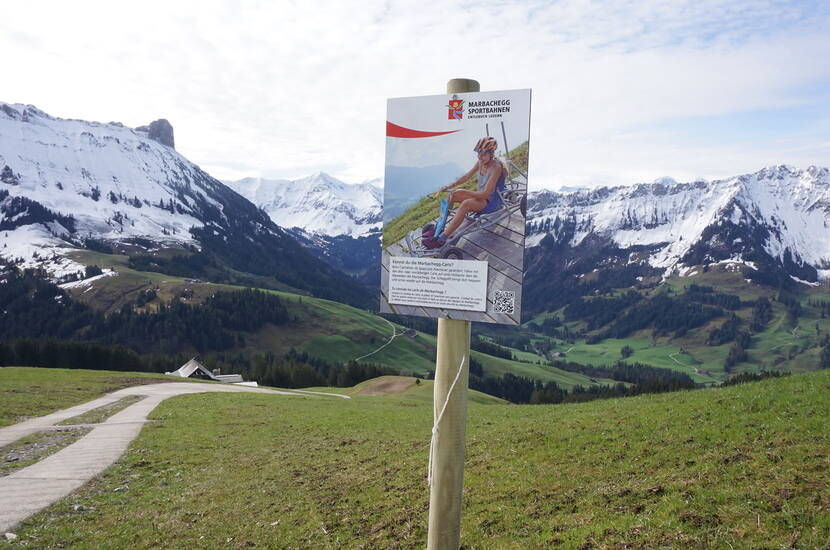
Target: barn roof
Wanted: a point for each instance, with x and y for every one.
(190, 368)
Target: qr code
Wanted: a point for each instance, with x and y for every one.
(505, 301)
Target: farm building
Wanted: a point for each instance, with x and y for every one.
(194, 369)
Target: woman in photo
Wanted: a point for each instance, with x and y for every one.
(491, 177)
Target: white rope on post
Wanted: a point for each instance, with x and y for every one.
(438, 421)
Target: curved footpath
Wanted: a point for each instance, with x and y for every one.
(31, 489)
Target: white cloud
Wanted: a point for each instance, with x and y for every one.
(286, 88)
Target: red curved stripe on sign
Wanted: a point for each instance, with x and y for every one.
(393, 130)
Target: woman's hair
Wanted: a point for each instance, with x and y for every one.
(505, 170)
(501, 163)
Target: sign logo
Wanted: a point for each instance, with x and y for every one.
(456, 109)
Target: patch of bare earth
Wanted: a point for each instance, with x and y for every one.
(386, 385)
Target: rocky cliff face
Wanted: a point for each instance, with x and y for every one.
(159, 130)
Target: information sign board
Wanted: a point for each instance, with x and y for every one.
(455, 201)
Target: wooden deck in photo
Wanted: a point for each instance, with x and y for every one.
(501, 245)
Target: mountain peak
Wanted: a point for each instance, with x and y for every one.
(778, 215)
(159, 130)
(565, 189)
(318, 204)
(19, 111)
(665, 180)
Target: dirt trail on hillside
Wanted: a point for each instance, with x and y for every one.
(386, 385)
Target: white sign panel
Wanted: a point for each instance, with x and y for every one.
(449, 284)
(455, 201)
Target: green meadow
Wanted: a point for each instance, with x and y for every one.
(738, 467)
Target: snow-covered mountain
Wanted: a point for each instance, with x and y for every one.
(777, 217)
(108, 181)
(318, 203)
(69, 184)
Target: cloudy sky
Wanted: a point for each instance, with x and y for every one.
(623, 91)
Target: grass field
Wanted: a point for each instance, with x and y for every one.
(326, 329)
(739, 467)
(407, 388)
(110, 293)
(336, 332)
(28, 392)
(607, 352)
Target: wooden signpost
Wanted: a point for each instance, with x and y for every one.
(449, 424)
(453, 248)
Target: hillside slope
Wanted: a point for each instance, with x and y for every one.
(739, 467)
(769, 227)
(174, 318)
(71, 184)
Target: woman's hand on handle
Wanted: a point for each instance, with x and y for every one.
(435, 193)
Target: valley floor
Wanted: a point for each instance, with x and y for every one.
(739, 467)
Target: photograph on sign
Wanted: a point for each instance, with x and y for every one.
(455, 201)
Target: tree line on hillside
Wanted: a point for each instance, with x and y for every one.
(745, 377)
(709, 296)
(663, 313)
(792, 305)
(212, 325)
(666, 314)
(293, 370)
(490, 348)
(761, 314)
(19, 211)
(643, 378)
(71, 354)
(553, 280)
(600, 311)
(298, 369)
(630, 379)
(822, 305)
(824, 357)
(727, 332)
(32, 307)
(552, 326)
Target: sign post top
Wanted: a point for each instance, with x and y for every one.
(461, 85)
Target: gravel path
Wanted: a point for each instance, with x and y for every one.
(31, 489)
(394, 335)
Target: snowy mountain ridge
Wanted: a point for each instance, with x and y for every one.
(319, 203)
(114, 182)
(780, 212)
(66, 185)
(64, 182)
